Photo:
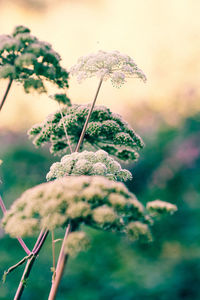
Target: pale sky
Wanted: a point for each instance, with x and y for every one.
(163, 37)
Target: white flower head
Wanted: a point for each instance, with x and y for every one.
(158, 207)
(113, 65)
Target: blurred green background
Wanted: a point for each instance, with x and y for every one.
(114, 268)
(163, 38)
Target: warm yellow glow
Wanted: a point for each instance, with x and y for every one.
(162, 36)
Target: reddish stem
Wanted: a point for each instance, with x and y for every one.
(88, 118)
(3, 208)
(40, 241)
(62, 256)
(60, 267)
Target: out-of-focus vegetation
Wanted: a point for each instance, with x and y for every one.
(114, 268)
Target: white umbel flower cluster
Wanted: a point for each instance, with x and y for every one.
(75, 199)
(113, 65)
(88, 163)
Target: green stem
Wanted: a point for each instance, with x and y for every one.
(6, 93)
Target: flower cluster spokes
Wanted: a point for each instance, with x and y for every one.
(113, 65)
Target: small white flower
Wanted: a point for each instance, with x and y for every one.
(107, 65)
(161, 207)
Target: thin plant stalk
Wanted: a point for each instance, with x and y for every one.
(11, 269)
(29, 265)
(60, 267)
(62, 256)
(58, 278)
(88, 117)
(41, 242)
(3, 208)
(26, 249)
(6, 93)
(2, 205)
(24, 278)
(32, 256)
(38, 240)
(53, 255)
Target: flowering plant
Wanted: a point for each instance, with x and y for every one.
(84, 187)
(113, 65)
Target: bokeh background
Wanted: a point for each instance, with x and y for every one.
(163, 37)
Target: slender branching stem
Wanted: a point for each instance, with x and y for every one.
(3, 208)
(16, 265)
(6, 93)
(26, 249)
(40, 241)
(24, 277)
(65, 130)
(62, 260)
(88, 117)
(60, 267)
(36, 248)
